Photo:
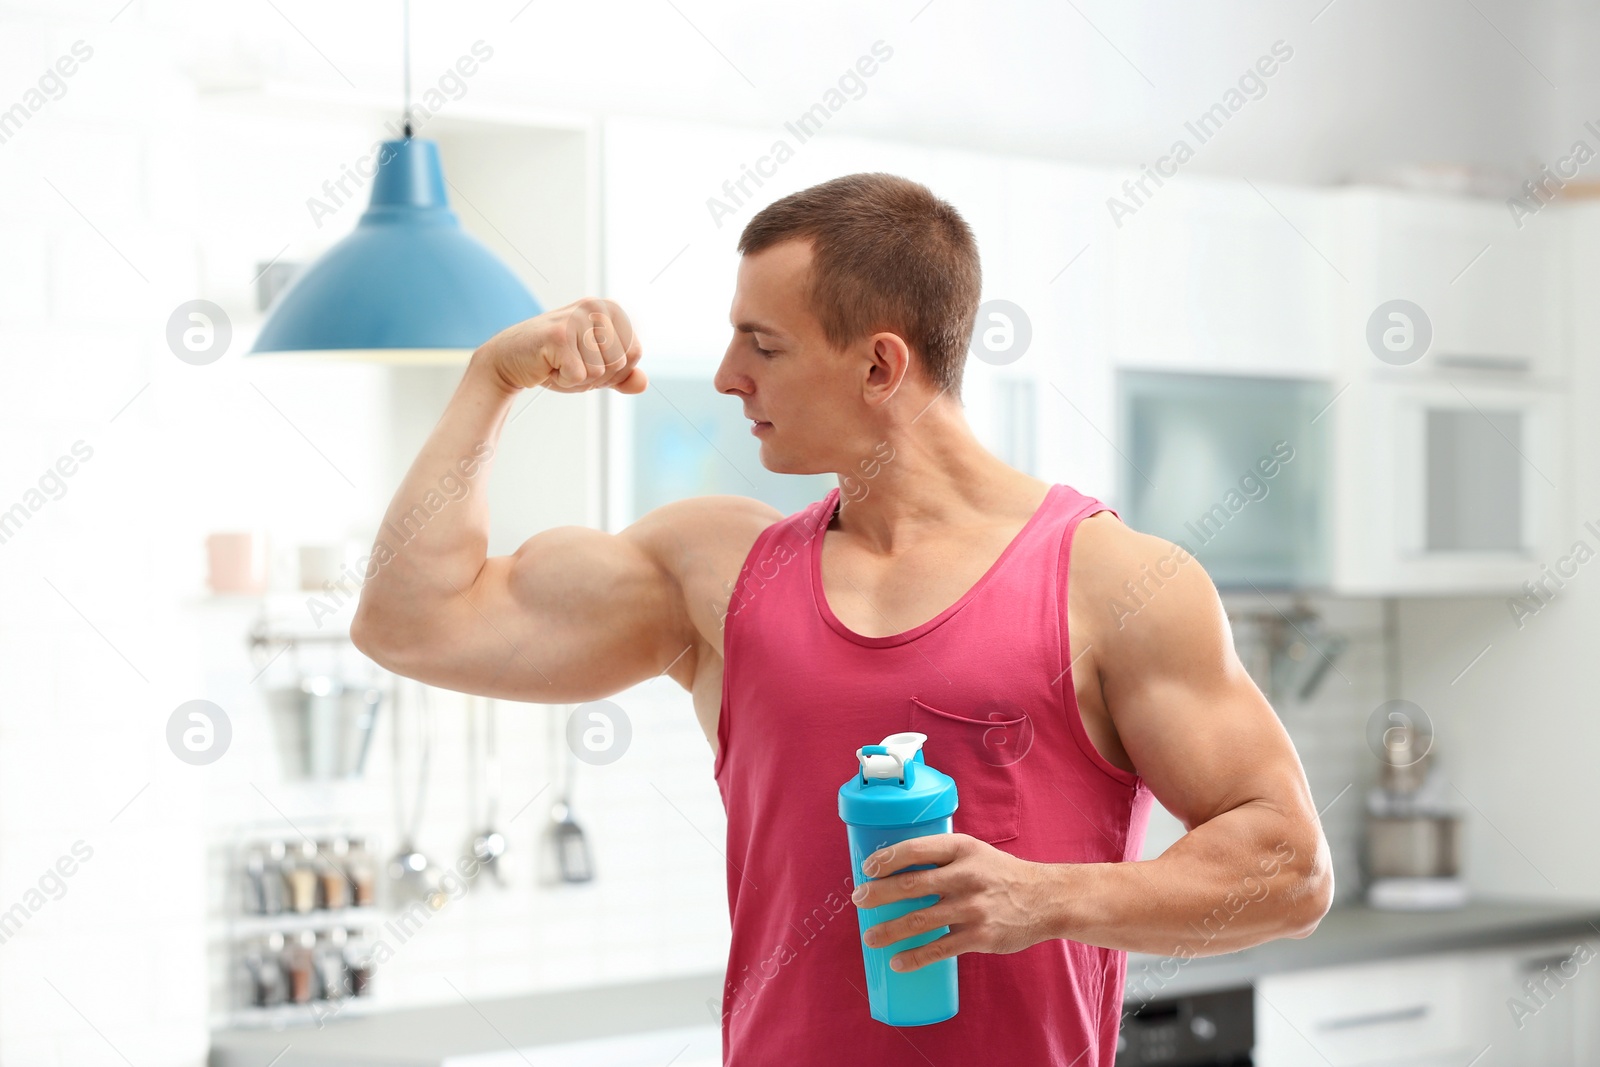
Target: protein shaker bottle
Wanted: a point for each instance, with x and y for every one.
(893, 796)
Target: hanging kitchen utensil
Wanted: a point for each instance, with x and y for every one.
(357, 740)
(549, 860)
(322, 697)
(413, 874)
(568, 847)
(489, 844)
(322, 723)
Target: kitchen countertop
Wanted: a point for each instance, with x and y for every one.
(511, 1027)
(1358, 934)
(443, 1035)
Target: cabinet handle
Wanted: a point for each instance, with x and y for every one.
(1353, 1022)
(1484, 361)
(1554, 960)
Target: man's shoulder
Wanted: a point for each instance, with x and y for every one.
(720, 507)
(1118, 572)
(706, 527)
(700, 545)
(1104, 540)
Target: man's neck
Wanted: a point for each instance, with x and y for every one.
(939, 476)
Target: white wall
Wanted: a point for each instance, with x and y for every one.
(92, 662)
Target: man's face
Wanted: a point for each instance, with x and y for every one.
(804, 397)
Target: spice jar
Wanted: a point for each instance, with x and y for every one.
(264, 887)
(264, 964)
(363, 874)
(299, 964)
(255, 891)
(301, 879)
(330, 965)
(359, 964)
(334, 887)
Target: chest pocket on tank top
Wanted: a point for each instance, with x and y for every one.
(980, 747)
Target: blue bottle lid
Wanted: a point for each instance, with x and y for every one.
(894, 786)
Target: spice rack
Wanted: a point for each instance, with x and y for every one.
(296, 925)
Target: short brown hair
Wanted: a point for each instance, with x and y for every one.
(886, 255)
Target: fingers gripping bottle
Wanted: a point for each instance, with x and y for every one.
(894, 796)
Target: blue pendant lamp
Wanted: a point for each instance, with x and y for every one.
(409, 285)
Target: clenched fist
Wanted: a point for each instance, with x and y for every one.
(589, 344)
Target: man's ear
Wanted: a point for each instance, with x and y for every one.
(889, 361)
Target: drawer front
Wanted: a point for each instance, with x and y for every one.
(1412, 1011)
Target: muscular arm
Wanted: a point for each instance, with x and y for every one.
(1253, 865)
(574, 614)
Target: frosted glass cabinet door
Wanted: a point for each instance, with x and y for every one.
(1473, 472)
(1233, 469)
(1448, 486)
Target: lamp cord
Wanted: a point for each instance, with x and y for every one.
(405, 39)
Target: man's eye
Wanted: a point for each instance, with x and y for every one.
(765, 351)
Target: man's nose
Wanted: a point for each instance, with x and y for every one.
(728, 379)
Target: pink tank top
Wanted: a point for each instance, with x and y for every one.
(988, 681)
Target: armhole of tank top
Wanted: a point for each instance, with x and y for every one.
(1069, 695)
(728, 641)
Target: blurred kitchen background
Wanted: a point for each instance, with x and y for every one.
(1300, 286)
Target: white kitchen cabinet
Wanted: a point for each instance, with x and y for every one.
(1416, 1013)
(1579, 266)
(1541, 1005)
(1447, 486)
(1448, 1010)
(1231, 468)
(1219, 276)
(1399, 485)
(1451, 464)
(1492, 293)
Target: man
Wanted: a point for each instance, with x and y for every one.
(933, 594)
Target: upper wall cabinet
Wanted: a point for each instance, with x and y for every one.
(1447, 430)
(1578, 263)
(1491, 293)
(1221, 276)
(1451, 476)
(1441, 332)
(1447, 487)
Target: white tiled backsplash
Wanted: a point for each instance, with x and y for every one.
(1329, 730)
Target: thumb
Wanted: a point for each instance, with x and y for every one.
(635, 382)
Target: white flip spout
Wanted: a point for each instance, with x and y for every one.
(903, 748)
